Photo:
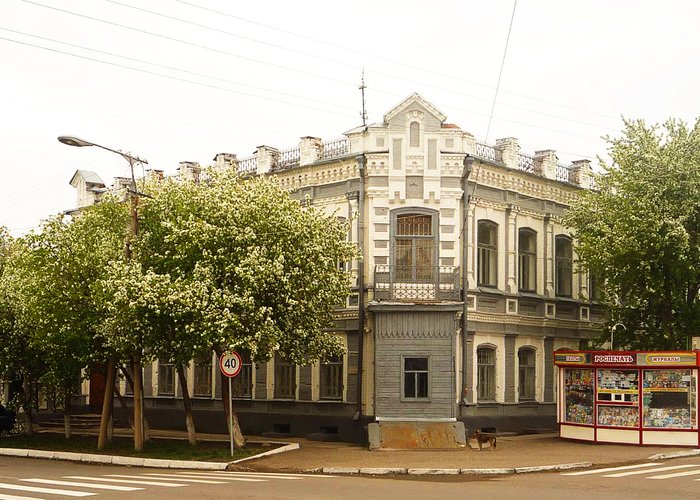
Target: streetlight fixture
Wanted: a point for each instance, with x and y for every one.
(612, 333)
(111, 369)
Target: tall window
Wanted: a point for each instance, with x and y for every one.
(202, 375)
(563, 265)
(414, 245)
(593, 290)
(332, 378)
(166, 378)
(415, 378)
(486, 373)
(285, 378)
(526, 373)
(487, 259)
(414, 139)
(242, 384)
(527, 260)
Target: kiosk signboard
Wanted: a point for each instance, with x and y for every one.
(629, 397)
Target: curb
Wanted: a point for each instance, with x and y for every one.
(675, 454)
(384, 471)
(281, 449)
(114, 459)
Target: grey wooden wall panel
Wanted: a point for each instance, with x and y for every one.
(406, 334)
(261, 380)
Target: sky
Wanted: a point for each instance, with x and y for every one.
(183, 80)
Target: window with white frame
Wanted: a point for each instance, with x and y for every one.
(242, 384)
(526, 373)
(527, 260)
(486, 373)
(285, 378)
(415, 377)
(487, 257)
(563, 263)
(166, 378)
(414, 246)
(202, 376)
(331, 383)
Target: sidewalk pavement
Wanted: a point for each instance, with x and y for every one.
(513, 454)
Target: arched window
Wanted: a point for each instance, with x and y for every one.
(487, 258)
(414, 139)
(486, 373)
(526, 373)
(563, 258)
(415, 246)
(527, 260)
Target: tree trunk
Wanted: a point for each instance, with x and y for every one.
(67, 413)
(107, 404)
(27, 405)
(238, 438)
(146, 427)
(138, 403)
(189, 419)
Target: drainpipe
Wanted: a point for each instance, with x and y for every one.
(468, 167)
(360, 281)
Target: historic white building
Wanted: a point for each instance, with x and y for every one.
(467, 287)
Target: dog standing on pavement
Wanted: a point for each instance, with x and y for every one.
(482, 438)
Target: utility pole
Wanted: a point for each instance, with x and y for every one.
(136, 361)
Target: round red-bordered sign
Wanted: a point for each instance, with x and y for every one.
(230, 364)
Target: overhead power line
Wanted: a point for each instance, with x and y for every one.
(173, 68)
(500, 72)
(387, 59)
(170, 77)
(343, 63)
(287, 68)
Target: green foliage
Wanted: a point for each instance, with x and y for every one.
(229, 263)
(48, 290)
(639, 234)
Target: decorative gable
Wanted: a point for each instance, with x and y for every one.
(415, 105)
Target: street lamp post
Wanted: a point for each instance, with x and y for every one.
(111, 367)
(612, 333)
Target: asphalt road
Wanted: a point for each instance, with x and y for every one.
(28, 478)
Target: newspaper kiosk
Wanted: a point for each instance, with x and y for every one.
(645, 398)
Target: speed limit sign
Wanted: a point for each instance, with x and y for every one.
(230, 364)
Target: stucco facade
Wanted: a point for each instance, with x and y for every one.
(467, 286)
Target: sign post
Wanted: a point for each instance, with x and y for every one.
(230, 365)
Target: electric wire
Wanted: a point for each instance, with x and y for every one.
(170, 77)
(387, 59)
(225, 89)
(287, 68)
(335, 61)
(500, 72)
(165, 66)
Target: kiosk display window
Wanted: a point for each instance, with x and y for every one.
(578, 384)
(669, 399)
(618, 385)
(618, 416)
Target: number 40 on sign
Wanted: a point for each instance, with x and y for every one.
(230, 364)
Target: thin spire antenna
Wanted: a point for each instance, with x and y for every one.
(362, 88)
